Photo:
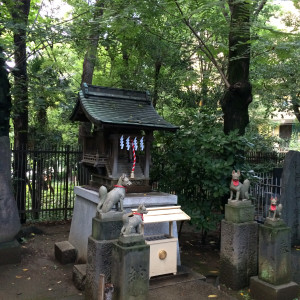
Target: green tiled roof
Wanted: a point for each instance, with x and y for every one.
(118, 107)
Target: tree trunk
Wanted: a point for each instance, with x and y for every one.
(296, 108)
(91, 53)
(89, 63)
(156, 83)
(124, 72)
(238, 96)
(19, 12)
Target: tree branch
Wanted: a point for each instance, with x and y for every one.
(296, 109)
(260, 7)
(203, 46)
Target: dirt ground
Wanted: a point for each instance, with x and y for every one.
(38, 269)
(39, 276)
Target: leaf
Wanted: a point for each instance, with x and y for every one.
(25, 270)
(19, 276)
(213, 296)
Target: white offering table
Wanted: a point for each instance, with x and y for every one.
(163, 247)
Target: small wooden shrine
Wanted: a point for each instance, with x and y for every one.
(118, 137)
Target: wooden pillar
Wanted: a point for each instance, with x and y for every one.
(115, 151)
(148, 141)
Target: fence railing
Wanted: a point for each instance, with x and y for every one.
(46, 189)
(265, 186)
(274, 158)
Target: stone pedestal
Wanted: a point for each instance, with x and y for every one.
(105, 231)
(238, 255)
(130, 268)
(239, 211)
(10, 252)
(274, 273)
(274, 252)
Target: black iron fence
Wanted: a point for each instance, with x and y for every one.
(44, 189)
(264, 186)
(44, 180)
(273, 158)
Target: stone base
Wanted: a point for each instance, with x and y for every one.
(79, 276)
(131, 240)
(65, 253)
(130, 269)
(107, 226)
(10, 253)
(99, 262)
(238, 255)
(262, 290)
(239, 211)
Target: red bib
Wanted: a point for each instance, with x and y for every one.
(235, 182)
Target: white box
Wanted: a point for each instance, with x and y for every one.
(163, 255)
(163, 248)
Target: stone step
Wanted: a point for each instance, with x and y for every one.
(79, 276)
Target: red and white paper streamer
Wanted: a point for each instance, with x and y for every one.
(134, 159)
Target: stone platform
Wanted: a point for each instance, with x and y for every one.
(85, 210)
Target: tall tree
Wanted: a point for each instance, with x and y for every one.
(91, 53)
(238, 92)
(238, 95)
(19, 11)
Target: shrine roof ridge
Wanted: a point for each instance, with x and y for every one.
(109, 92)
(118, 108)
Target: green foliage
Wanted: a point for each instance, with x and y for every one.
(275, 57)
(50, 92)
(196, 164)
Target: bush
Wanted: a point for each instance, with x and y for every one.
(196, 163)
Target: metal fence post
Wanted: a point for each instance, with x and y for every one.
(67, 183)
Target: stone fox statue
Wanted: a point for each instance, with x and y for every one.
(275, 209)
(240, 189)
(114, 197)
(132, 222)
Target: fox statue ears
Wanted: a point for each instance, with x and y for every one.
(272, 198)
(238, 172)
